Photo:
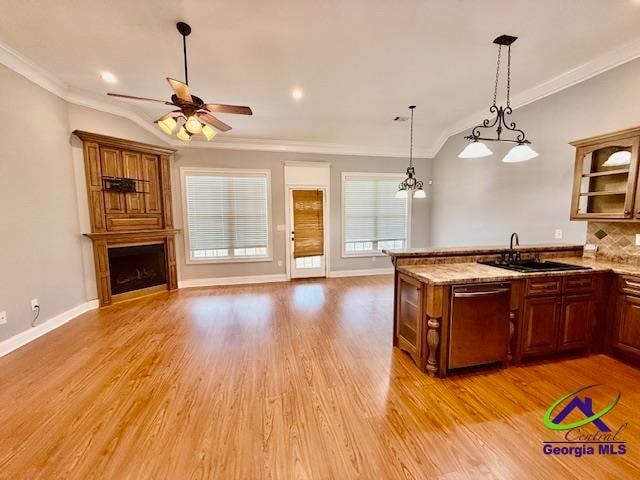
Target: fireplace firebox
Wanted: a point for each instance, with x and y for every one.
(136, 267)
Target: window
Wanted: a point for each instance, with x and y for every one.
(226, 215)
(373, 218)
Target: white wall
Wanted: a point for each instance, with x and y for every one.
(481, 201)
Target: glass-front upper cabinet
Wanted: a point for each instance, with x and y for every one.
(605, 178)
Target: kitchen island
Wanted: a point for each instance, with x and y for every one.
(452, 312)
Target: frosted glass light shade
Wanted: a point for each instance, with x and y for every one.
(475, 150)
(520, 153)
(402, 193)
(208, 132)
(617, 159)
(167, 125)
(183, 135)
(420, 193)
(193, 125)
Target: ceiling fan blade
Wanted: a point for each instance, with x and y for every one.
(213, 121)
(180, 89)
(174, 114)
(222, 108)
(145, 99)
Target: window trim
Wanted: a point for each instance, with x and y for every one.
(395, 176)
(228, 172)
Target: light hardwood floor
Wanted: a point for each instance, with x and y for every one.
(282, 381)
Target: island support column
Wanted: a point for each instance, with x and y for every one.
(435, 339)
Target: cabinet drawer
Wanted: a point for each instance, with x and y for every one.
(579, 283)
(629, 285)
(544, 286)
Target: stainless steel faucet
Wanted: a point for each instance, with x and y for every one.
(514, 255)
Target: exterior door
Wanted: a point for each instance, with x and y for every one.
(307, 220)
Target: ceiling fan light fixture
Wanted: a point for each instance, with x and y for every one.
(475, 150)
(183, 135)
(520, 153)
(208, 132)
(193, 125)
(168, 125)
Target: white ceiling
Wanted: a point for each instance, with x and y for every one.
(359, 62)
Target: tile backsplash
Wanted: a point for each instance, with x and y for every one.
(616, 241)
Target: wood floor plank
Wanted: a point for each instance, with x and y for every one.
(279, 381)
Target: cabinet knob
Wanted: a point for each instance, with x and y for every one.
(627, 212)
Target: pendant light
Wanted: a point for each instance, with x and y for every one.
(477, 149)
(411, 184)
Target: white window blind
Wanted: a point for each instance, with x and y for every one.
(227, 215)
(373, 218)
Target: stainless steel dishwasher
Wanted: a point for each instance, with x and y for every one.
(479, 324)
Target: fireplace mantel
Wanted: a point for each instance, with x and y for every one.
(129, 193)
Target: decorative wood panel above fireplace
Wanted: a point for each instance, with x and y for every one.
(129, 192)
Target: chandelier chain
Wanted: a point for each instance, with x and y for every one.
(495, 88)
(411, 142)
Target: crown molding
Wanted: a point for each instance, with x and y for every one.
(607, 61)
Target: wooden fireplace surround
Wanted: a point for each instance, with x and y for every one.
(123, 218)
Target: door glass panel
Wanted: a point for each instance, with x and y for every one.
(605, 176)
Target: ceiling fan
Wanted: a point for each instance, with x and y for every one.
(193, 116)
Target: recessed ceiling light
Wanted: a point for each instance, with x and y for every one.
(108, 77)
(297, 94)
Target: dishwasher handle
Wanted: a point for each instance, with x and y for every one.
(479, 293)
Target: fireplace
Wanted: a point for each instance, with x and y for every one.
(136, 267)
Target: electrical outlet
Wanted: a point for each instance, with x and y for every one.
(373, 259)
(279, 263)
(3, 318)
(34, 304)
(558, 234)
(638, 239)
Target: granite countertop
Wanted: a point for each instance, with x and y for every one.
(471, 272)
(484, 250)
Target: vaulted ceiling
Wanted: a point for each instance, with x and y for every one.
(359, 63)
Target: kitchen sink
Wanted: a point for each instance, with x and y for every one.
(528, 266)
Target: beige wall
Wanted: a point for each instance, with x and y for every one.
(481, 201)
(39, 241)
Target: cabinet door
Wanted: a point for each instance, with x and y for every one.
(151, 173)
(605, 180)
(540, 321)
(409, 316)
(626, 336)
(132, 168)
(111, 163)
(576, 324)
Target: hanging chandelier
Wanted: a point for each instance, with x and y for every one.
(476, 149)
(411, 183)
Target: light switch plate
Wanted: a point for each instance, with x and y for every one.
(3, 318)
(638, 239)
(280, 228)
(558, 234)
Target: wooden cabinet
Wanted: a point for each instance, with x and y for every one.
(606, 177)
(625, 337)
(576, 325)
(560, 321)
(148, 207)
(540, 321)
(409, 317)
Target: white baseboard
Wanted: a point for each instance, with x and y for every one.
(22, 338)
(360, 273)
(211, 282)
